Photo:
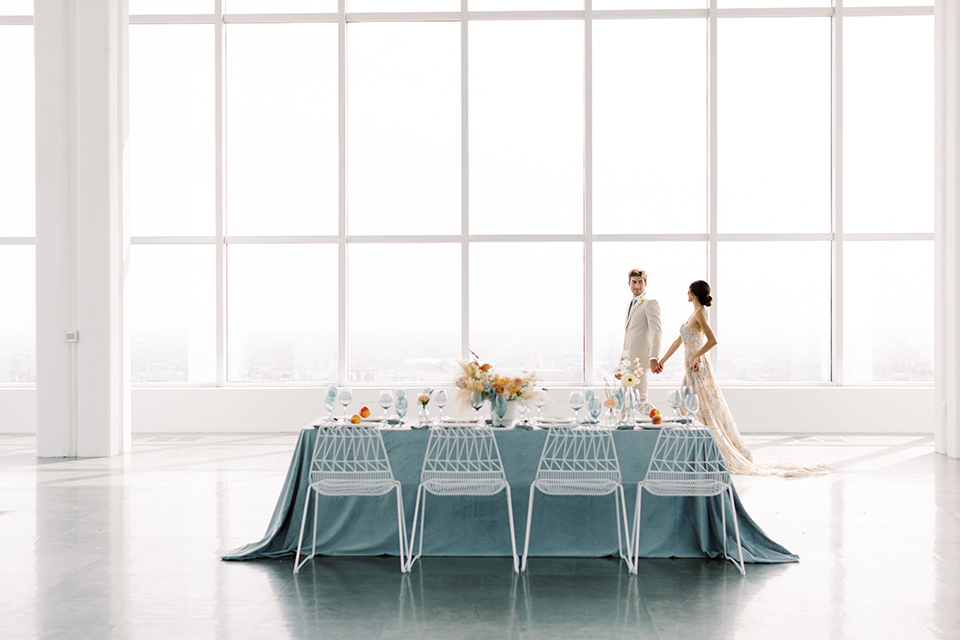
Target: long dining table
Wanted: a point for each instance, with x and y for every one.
(563, 526)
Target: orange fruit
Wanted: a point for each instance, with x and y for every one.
(354, 419)
(364, 412)
(657, 419)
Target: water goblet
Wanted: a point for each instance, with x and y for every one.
(692, 404)
(686, 392)
(540, 402)
(594, 407)
(673, 399)
(522, 407)
(330, 400)
(346, 397)
(498, 404)
(386, 401)
(576, 403)
(401, 408)
(476, 401)
(440, 399)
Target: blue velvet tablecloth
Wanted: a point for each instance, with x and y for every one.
(671, 527)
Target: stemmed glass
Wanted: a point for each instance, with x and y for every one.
(386, 401)
(686, 393)
(346, 397)
(499, 405)
(693, 405)
(522, 408)
(540, 402)
(330, 400)
(594, 406)
(576, 403)
(674, 400)
(401, 408)
(440, 399)
(476, 401)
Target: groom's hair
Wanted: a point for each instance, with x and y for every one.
(637, 273)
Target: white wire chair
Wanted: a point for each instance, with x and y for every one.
(461, 460)
(350, 461)
(686, 461)
(580, 462)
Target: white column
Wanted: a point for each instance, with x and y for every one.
(947, 394)
(82, 387)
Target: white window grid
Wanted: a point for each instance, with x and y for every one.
(837, 237)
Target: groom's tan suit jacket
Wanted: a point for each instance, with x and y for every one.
(641, 338)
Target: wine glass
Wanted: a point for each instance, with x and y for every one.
(386, 401)
(540, 402)
(498, 404)
(440, 399)
(401, 407)
(346, 397)
(594, 407)
(522, 407)
(674, 400)
(330, 400)
(692, 403)
(686, 392)
(476, 401)
(576, 403)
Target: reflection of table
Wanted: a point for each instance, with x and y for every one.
(562, 526)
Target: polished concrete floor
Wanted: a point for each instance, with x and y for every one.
(128, 547)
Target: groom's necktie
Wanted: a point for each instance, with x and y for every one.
(632, 303)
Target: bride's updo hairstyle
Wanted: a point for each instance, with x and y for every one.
(701, 290)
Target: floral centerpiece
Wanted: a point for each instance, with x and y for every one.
(477, 376)
(629, 374)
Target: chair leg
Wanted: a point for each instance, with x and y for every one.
(402, 533)
(621, 500)
(526, 540)
(303, 525)
(736, 528)
(418, 513)
(513, 534)
(636, 528)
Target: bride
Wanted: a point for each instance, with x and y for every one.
(698, 338)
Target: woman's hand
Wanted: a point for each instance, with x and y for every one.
(695, 364)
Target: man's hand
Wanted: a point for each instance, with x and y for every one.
(655, 365)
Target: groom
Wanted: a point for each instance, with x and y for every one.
(641, 337)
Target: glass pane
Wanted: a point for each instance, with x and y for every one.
(17, 161)
(280, 6)
(524, 5)
(773, 125)
(888, 92)
(404, 161)
(773, 4)
(402, 5)
(649, 134)
(883, 346)
(759, 342)
(157, 7)
(526, 127)
(887, 3)
(404, 312)
(282, 313)
(526, 307)
(670, 267)
(172, 130)
(173, 313)
(647, 4)
(282, 129)
(16, 8)
(18, 314)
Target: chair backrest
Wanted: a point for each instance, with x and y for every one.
(350, 453)
(686, 461)
(462, 451)
(576, 454)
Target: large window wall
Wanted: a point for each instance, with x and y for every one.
(349, 195)
(18, 355)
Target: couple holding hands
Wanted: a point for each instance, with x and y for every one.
(642, 340)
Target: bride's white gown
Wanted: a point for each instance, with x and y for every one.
(714, 413)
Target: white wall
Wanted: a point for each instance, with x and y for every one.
(778, 410)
